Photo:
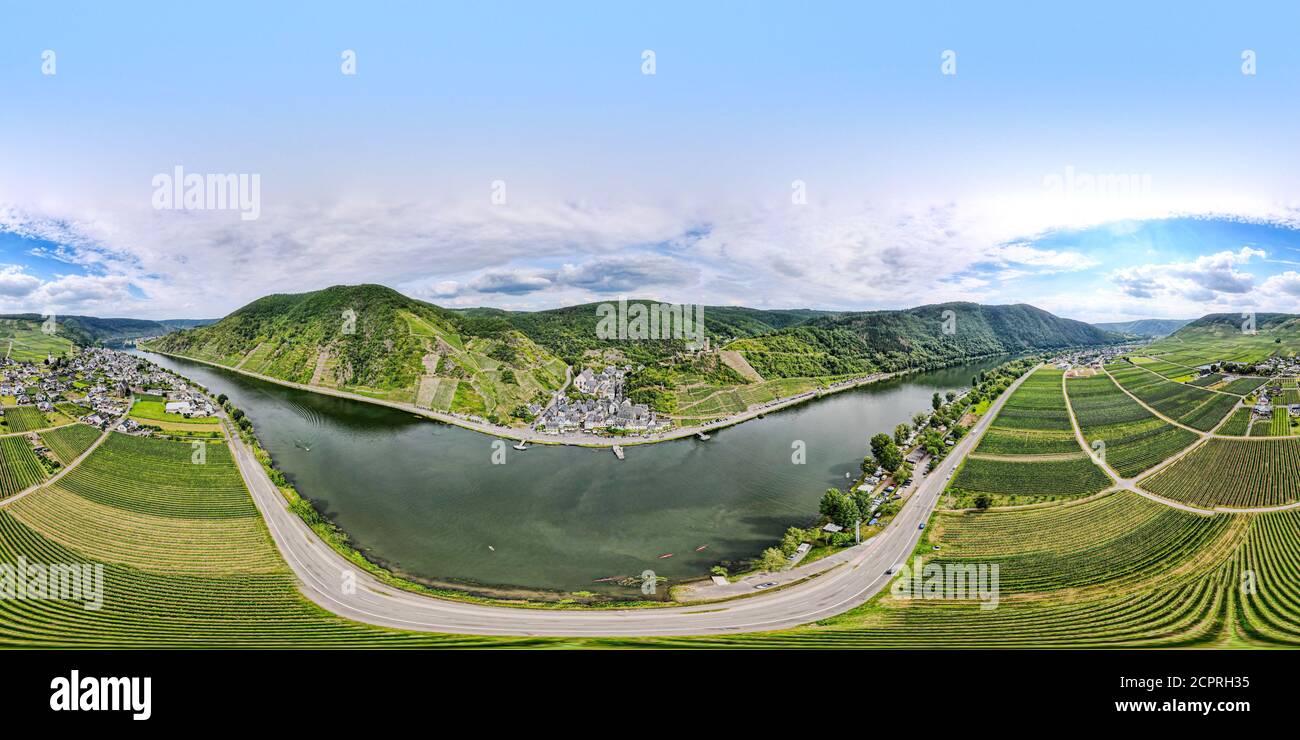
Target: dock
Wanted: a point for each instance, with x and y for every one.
(702, 435)
(618, 451)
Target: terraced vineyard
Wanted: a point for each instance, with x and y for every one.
(1165, 368)
(1034, 420)
(1205, 381)
(1105, 540)
(25, 419)
(1237, 473)
(68, 442)
(1186, 404)
(1243, 386)
(1237, 425)
(158, 478)
(193, 566)
(1281, 425)
(1030, 442)
(1190, 598)
(19, 468)
(1135, 440)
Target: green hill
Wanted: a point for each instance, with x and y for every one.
(490, 363)
(570, 332)
(912, 338)
(22, 340)
(1145, 327)
(1226, 337)
(91, 330)
(373, 340)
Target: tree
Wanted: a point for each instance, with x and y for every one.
(951, 396)
(936, 400)
(919, 419)
(983, 501)
(901, 432)
(879, 443)
(221, 399)
(903, 475)
(773, 559)
(839, 507)
(846, 514)
(791, 541)
(890, 458)
(829, 502)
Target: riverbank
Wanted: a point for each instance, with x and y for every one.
(575, 439)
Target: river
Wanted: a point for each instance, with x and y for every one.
(426, 499)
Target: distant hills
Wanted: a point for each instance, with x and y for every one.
(371, 339)
(922, 337)
(90, 330)
(1145, 327)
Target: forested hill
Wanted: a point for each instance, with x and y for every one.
(926, 336)
(1145, 327)
(571, 331)
(356, 335)
(489, 362)
(1228, 324)
(91, 330)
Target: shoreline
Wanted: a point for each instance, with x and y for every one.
(578, 439)
(543, 598)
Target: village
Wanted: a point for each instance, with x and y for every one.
(598, 405)
(96, 386)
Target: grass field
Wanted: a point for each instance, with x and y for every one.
(155, 409)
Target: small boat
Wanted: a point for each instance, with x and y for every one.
(493, 549)
(700, 548)
(666, 555)
(607, 579)
(523, 445)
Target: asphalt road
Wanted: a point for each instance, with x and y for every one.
(340, 587)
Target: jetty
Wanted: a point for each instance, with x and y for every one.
(618, 451)
(702, 435)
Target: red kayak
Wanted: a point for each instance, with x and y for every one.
(701, 547)
(666, 555)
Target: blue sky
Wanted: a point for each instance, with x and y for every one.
(920, 186)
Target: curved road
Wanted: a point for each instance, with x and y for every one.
(341, 587)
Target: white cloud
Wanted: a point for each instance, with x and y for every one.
(14, 283)
(1206, 279)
